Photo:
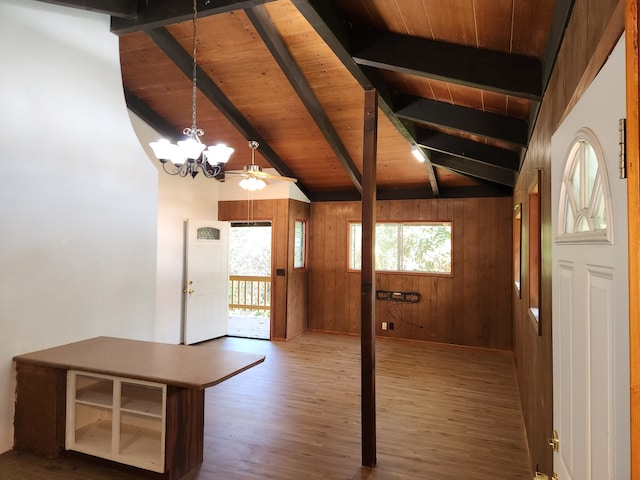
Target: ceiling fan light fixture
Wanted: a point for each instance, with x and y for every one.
(253, 175)
(252, 184)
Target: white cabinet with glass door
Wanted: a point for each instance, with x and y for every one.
(117, 419)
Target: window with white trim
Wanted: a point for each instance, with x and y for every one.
(420, 247)
(585, 204)
(299, 244)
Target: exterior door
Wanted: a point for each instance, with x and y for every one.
(590, 294)
(206, 281)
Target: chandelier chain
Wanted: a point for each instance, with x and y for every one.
(194, 128)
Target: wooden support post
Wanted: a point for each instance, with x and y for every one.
(632, 25)
(368, 330)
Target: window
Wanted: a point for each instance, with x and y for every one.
(535, 250)
(584, 210)
(406, 247)
(299, 244)
(208, 233)
(517, 246)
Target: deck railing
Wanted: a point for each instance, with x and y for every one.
(250, 292)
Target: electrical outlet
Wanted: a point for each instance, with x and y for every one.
(384, 325)
(390, 325)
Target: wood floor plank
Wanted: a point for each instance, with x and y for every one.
(444, 412)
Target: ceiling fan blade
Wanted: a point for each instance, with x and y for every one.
(277, 177)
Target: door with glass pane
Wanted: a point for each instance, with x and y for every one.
(590, 294)
(206, 281)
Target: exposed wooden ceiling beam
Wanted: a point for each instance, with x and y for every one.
(468, 149)
(474, 67)
(184, 62)
(262, 23)
(485, 124)
(483, 189)
(155, 121)
(332, 26)
(348, 195)
(501, 176)
(167, 12)
(477, 191)
(402, 193)
(561, 16)
(382, 193)
(116, 8)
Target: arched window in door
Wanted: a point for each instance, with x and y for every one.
(585, 202)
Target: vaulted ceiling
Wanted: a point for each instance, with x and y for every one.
(460, 80)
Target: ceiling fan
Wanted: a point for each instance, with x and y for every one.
(254, 176)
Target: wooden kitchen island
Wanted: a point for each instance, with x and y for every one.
(133, 402)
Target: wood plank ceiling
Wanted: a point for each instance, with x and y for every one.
(461, 80)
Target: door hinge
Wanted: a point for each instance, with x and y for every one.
(554, 441)
(622, 147)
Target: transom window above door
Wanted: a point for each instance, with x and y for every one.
(585, 201)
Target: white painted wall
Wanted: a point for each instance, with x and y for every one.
(86, 220)
(78, 196)
(178, 199)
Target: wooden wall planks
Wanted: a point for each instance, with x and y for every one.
(471, 307)
(593, 30)
(298, 284)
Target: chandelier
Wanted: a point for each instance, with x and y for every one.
(190, 156)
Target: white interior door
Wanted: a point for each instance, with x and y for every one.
(206, 280)
(590, 289)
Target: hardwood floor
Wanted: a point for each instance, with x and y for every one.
(443, 413)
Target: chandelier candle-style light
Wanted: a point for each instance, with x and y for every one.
(190, 156)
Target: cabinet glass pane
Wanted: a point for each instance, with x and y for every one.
(141, 438)
(94, 391)
(141, 399)
(93, 428)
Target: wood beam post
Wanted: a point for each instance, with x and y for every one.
(367, 312)
(632, 25)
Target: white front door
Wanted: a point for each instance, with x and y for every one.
(206, 281)
(590, 290)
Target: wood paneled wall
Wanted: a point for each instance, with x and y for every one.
(298, 284)
(591, 35)
(470, 307)
(288, 286)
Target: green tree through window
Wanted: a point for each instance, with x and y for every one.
(406, 247)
